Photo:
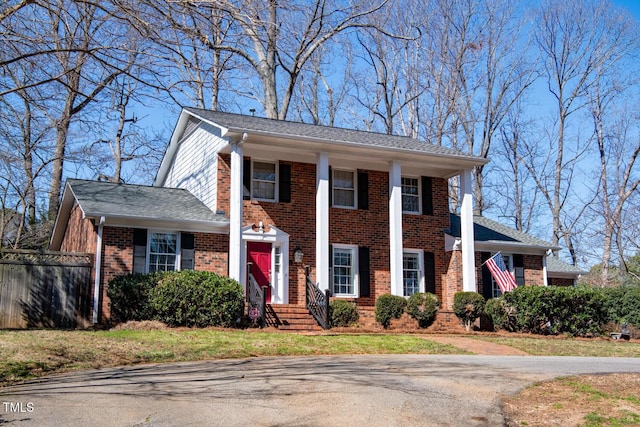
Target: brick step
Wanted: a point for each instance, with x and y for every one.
(291, 317)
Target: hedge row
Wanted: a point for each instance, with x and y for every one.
(577, 311)
(179, 298)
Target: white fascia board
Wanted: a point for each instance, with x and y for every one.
(515, 247)
(215, 227)
(62, 219)
(454, 163)
(176, 137)
(497, 246)
(564, 274)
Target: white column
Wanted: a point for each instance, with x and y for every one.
(544, 270)
(235, 213)
(466, 233)
(322, 220)
(98, 277)
(395, 227)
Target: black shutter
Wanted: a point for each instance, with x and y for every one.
(284, 185)
(430, 272)
(518, 264)
(363, 272)
(139, 250)
(427, 196)
(246, 179)
(330, 187)
(363, 190)
(187, 251)
(487, 287)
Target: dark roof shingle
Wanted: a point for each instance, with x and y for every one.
(487, 230)
(98, 198)
(261, 125)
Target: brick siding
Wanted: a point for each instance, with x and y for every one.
(361, 227)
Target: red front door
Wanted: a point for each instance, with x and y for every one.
(259, 254)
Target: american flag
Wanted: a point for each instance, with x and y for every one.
(500, 274)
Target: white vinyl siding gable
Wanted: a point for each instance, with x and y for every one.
(195, 165)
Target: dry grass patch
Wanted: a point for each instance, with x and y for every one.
(587, 400)
(564, 346)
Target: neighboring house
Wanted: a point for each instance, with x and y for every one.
(366, 211)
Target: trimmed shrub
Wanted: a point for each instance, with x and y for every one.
(389, 307)
(423, 307)
(342, 313)
(556, 310)
(494, 310)
(129, 296)
(197, 298)
(622, 304)
(468, 306)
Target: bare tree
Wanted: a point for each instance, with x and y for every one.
(11, 7)
(512, 180)
(576, 40)
(618, 151)
(388, 83)
(123, 139)
(275, 39)
(323, 87)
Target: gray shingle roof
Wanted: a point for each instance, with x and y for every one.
(250, 124)
(137, 201)
(555, 265)
(486, 230)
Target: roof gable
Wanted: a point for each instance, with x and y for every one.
(492, 233)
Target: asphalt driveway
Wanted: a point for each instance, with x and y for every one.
(371, 390)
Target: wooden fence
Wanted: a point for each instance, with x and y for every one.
(45, 289)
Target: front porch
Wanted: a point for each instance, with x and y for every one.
(314, 316)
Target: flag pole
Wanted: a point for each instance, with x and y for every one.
(490, 258)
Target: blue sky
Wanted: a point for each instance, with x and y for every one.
(632, 5)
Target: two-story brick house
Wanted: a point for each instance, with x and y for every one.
(366, 211)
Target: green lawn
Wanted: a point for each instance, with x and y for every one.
(28, 354)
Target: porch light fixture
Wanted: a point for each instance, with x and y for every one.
(297, 255)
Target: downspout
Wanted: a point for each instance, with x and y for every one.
(96, 283)
(545, 272)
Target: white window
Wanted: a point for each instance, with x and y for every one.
(263, 181)
(410, 195)
(344, 188)
(412, 273)
(495, 289)
(345, 266)
(277, 258)
(163, 251)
